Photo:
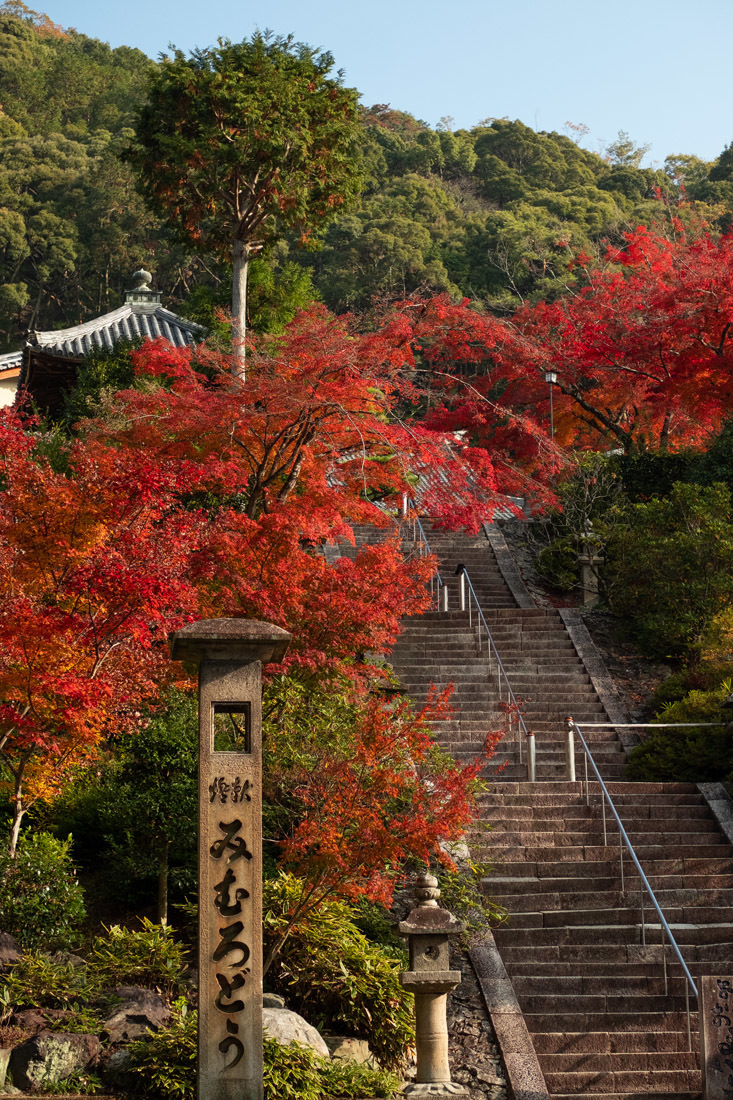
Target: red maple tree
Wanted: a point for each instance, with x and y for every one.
(94, 573)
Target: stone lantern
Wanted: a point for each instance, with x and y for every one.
(589, 559)
(428, 929)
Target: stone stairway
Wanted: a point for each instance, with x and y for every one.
(593, 996)
(591, 992)
(546, 674)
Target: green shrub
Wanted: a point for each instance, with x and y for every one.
(669, 568)
(84, 1082)
(349, 1080)
(291, 1072)
(691, 754)
(146, 956)
(164, 1067)
(38, 981)
(41, 902)
(164, 1064)
(296, 1073)
(647, 474)
(558, 564)
(331, 973)
(461, 892)
(375, 922)
(131, 817)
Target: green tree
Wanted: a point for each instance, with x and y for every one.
(669, 567)
(241, 139)
(624, 152)
(137, 813)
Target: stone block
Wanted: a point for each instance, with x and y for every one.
(49, 1057)
(9, 950)
(289, 1028)
(347, 1049)
(140, 1009)
(525, 1078)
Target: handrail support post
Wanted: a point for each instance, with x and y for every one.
(570, 753)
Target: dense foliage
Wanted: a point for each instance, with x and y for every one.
(164, 1068)
(671, 564)
(688, 753)
(329, 972)
(41, 901)
(496, 213)
(243, 139)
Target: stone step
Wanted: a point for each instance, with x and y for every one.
(675, 915)
(616, 954)
(675, 904)
(543, 821)
(499, 885)
(582, 1043)
(654, 804)
(615, 1022)
(592, 838)
(621, 1082)
(597, 969)
(588, 985)
(626, 1061)
(636, 789)
(655, 1095)
(629, 814)
(567, 936)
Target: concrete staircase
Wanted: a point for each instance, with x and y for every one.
(592, 993)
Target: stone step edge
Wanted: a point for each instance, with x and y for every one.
(524, 1075)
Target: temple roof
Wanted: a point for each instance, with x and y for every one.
(129, 322)
(48, 361)
(142, 317)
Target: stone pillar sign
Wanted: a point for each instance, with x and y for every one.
(716, 1037)
(230, 654)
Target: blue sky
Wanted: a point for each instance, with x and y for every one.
(660, 71)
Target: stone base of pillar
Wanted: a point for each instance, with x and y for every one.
(434, 1088)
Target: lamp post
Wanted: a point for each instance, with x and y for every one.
(551, 379)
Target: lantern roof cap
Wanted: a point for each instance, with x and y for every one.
(245, 640)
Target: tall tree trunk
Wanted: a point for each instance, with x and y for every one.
(163, 882)
(18, 815)
(19, 807)
(240, 267)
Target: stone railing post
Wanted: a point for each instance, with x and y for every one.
(428, 929)
(715, 1010)
(230, 654)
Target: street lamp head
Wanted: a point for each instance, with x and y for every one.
(551, 377)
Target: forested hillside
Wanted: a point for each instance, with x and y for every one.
(496, 213)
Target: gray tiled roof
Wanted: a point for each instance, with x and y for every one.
(126, 323)
(12, 361)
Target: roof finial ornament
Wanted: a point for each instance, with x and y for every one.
(141, 279)
(140, 296)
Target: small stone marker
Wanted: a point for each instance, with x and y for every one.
(230, 654)
(716, 1037)
(428, 929)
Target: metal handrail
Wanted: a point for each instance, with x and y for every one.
(624, 839)
(435, 588)
(531, 763)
